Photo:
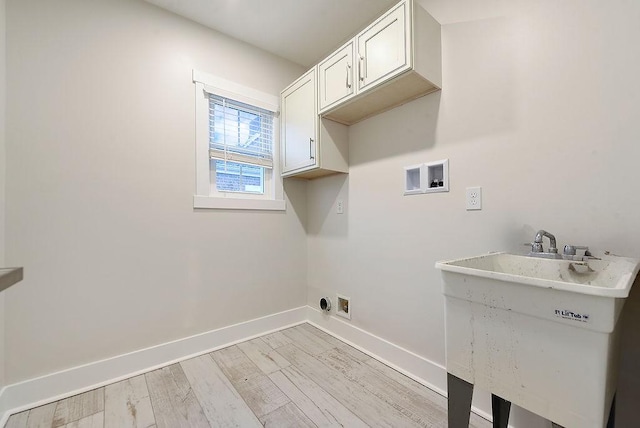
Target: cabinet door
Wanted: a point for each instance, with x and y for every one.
(299, 123)
(383, 48)
(336, 77)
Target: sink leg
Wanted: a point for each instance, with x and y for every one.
(612, 414)
(500, 409)
(459, 403)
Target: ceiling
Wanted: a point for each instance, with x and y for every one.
(304, 31)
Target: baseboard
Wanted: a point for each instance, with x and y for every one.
(66, 383)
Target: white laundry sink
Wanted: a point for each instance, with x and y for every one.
(605, 275)
(538, 332)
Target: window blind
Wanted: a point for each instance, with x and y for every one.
(240, 132)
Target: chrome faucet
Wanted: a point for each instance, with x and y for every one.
(568, 253)
(537, 250)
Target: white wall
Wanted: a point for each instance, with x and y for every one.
(100, 179)
(539, 107)
(3, 4)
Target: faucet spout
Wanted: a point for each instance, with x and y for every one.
(552, 241)
(537, 250)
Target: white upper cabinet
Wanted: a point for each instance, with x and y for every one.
(397, 58)
(299, 124)
(336, 77)
(310, 146)
(383, 50)
(394, 60)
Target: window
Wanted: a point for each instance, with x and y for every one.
(236, 146)
(238, 177)
(240, 145)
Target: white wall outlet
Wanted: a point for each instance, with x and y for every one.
(340, 206)
(474, 198)
(344, 306)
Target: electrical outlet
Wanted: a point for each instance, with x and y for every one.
(340, 207)
(474, 198)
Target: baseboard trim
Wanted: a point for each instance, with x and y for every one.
(66, 383)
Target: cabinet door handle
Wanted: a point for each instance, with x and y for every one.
(310, 147)
(348, 69)
(361, 68)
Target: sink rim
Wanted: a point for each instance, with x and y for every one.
(620, 290)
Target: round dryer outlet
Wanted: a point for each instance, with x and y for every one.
(325, 304)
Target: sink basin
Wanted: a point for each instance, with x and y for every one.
(604, 275)
(540, 333)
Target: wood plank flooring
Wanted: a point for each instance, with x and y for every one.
(298, 377)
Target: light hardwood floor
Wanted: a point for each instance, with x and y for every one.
(298, 377)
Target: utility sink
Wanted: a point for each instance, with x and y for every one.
(605, 275)
(538, 332)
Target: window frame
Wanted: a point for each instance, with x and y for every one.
(206, 193)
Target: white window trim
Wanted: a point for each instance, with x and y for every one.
(274, 197)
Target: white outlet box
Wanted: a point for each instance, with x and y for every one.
(474, 198)
(427, 178)
(415, 179)
(343, 308)
(340, 206)
(437, 176)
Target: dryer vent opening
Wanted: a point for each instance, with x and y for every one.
(325, 304)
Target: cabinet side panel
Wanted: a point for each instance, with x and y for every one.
(335, 145)
(427, 46)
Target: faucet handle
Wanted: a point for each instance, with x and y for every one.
(570, 250)
(536, 247)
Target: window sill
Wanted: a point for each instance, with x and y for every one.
(216, 203)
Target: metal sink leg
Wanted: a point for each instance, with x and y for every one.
(460, 393)
(500, 409)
